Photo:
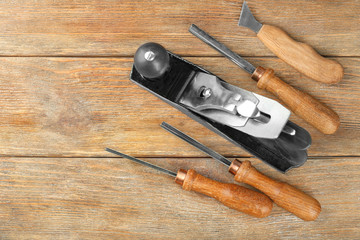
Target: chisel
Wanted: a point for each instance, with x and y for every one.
(283, 194)
(231, 195)
(302, 104)
(300, 56)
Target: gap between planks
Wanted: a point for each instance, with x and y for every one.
(131, 56)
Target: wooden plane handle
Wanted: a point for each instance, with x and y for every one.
(231, 195)
(283, 194)
(300, 55)
(302, 104)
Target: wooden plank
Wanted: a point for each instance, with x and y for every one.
(112, 198)
(79, 106)
(54, 110)
(117, 28)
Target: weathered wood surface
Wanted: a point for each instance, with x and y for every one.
(117, 28)
(65, 96)
(79, 106)
(113, 198)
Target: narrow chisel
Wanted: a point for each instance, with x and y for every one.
(300, 56)
(302, 104)
(283, 194)
(231, 195)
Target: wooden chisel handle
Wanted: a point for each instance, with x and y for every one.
(302, 104)
(231, 195)
(283, 194)
(300, 55)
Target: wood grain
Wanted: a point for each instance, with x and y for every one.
(236, 197)
(300, 56)
(79, 106)
(84, 198)
(300, 103)
(117, 28)
(66, 95)
(284, 195)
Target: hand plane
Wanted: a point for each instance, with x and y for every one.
(258, 124)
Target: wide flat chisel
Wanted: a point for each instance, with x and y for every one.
(283, 194)
(300, 56)
(302, 104)
(231, 195)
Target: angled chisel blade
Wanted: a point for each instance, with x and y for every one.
(248, 20)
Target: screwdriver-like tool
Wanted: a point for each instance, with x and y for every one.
(231, 195)
(302, 104)
(283, 194)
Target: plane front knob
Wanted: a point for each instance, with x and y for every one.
(151, 60)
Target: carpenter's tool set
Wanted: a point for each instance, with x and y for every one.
(256, 123)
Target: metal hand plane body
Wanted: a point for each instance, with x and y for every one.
(256, 123)
(242, 110)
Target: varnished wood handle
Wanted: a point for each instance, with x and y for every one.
(302, 104)
(283, 194)
(231, 195)
(300, 55)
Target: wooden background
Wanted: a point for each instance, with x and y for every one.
(65, 95)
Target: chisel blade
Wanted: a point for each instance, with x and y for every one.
(202, 35)
(141, 162)
(195, 143)
(248, 20)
